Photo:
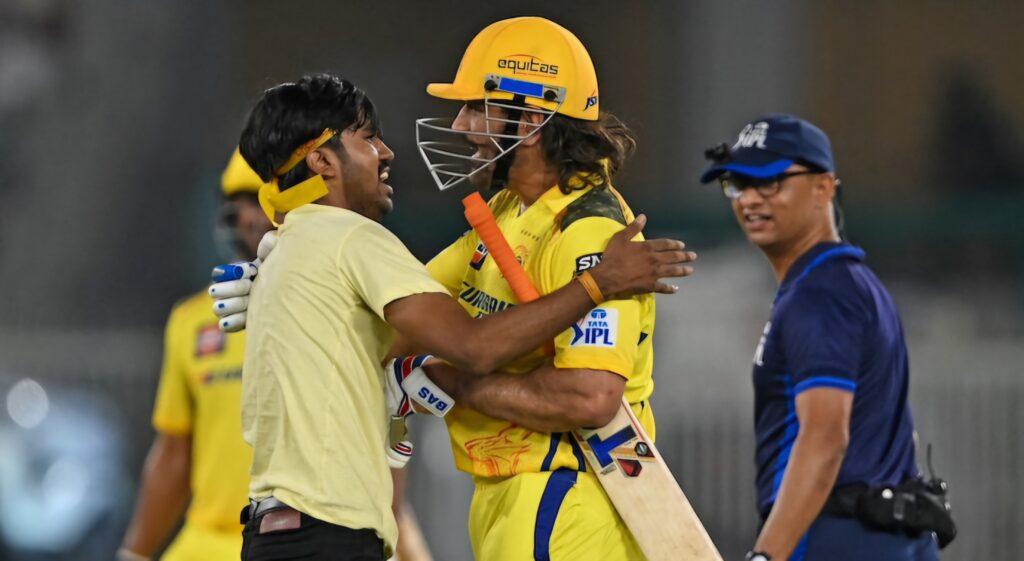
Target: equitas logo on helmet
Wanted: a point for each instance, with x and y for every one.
(515, 66)
(528, 65)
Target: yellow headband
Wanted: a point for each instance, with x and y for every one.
(272, 200)
(301, 152)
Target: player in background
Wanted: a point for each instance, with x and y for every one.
(198, 458)
(321, 314)
(836, 473)
(531, 116)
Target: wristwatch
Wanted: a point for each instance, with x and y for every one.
(758, 556)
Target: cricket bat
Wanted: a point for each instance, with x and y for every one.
(623, 457)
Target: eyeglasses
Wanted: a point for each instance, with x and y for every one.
(734, 185)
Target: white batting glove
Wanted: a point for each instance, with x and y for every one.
(232, 284)
(406, 381)
(267, 244)
(399, 448)
(230, 291)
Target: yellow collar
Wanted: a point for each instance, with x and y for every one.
(556, 200)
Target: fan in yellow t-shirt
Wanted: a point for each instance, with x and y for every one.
(199, 457)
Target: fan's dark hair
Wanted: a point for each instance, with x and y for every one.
(291, 114)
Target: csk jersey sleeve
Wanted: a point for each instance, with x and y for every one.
(608, 336)
(173, 410)
(814, 360)
(381, 269)
(449, 266)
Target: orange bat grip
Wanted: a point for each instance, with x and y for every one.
(482, 220)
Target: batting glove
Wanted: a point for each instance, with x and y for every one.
(232, 284)
(230, 291)
(406, 382)
(267, 244)
(399, 449)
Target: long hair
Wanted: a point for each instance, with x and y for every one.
(586, 153)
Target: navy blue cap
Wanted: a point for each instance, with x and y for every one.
(766, 147)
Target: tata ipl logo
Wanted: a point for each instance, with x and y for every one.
(527, 65)
(598, 329)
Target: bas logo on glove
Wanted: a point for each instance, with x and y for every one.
(414, 383)
(434, 401)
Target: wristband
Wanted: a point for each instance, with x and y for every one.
(590, 285)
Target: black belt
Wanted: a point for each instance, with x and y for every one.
(842, 501)
(912, 507)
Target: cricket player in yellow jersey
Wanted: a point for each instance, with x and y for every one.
(531, 116)
(198, 458)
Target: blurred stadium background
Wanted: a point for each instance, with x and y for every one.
(116, 118)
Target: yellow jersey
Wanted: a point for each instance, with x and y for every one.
(555, 239)
(313, 387)
(200, 395)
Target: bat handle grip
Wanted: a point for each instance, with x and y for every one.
(485, 224)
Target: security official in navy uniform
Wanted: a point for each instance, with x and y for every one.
(836, 473)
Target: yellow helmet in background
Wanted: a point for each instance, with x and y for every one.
(238, 177)
(532, 50)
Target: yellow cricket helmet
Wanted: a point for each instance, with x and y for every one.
(525, 64)
(238, 177)
(529, 49)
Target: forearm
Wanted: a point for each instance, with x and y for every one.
(483, 345)
(162, 499)
(398, 488)
(436, 323)
(412, 546)
(810, 477)
(497, 339)
(545, 400)
(404, 346)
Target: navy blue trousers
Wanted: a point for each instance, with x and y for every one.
(833, 538)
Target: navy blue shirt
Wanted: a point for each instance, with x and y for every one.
(834, 325)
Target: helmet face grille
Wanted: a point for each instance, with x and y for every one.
(448, 153)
